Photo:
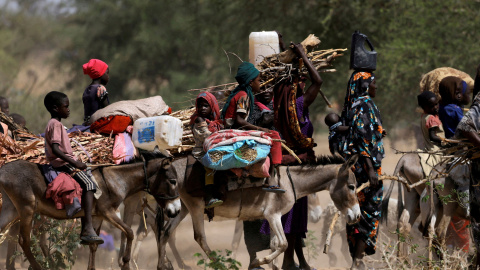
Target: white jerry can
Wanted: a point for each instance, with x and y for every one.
(163, 131)
(262, 44)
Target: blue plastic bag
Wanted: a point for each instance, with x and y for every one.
(230, 160)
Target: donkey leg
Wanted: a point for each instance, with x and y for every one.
(407, 218)
(442, 225)
(166, 235)
(130, 207)
(26, 217)
(137, 243)
(8, 214)
(279, 241)
(43, 240)
(12, 246)
(117, 222)
(171, 243)
(199, 228)
(237, 236)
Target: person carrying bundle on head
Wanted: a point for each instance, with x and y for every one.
(292, 121)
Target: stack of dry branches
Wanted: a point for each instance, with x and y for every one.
(273, 69)
(88, 147)
(10, 123)
(278, 67)
(456, 151)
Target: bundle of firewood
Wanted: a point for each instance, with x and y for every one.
(88, 147)
(278, 67)
(10, 123)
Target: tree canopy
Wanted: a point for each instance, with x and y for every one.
(167, 47)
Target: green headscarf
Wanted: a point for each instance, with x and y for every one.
(245, 74)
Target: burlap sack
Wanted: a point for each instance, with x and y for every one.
(140, 108)
(432, 79)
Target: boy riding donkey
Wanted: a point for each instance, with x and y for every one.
(60, 155)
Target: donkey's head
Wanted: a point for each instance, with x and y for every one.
(164, 189)
(343, 191)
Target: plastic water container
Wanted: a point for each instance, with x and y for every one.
(360, 57)
(163, 131)
(262, 44)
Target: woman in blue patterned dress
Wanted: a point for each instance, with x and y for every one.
(364, 138)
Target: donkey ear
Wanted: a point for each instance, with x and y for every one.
(166, 163)
(350, 162)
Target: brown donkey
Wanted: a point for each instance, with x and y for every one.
(23, 188)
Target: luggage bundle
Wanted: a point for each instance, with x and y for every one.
(431, 80)
(233, 148)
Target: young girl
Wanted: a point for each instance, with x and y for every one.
(95, 96)
(204, 122)
(454, 95)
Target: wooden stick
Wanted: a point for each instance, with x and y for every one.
(330, 232)
(401, 180)
(263, 84)
(4, 235)
(325, 98)
(291, 152)
(206, 88)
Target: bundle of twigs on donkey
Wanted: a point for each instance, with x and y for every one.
(274, 68)
(90, 148)
(459, 150)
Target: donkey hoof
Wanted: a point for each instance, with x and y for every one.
(255, 263)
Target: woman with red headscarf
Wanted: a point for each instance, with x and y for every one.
(204, 122)
(95, 96)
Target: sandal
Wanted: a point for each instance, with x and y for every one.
(91, 239)
(213, 203)
(274, 189)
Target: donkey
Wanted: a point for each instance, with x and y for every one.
(23, 188)
(133, 206)
(410, 168)
(331, 173)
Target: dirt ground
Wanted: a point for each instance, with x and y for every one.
(219, 234)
